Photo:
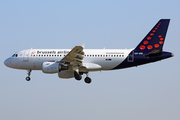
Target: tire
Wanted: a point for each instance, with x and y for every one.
(87, 80)
(28, 78)
(77, 76)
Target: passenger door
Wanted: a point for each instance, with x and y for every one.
(26, 56)
(131, 57)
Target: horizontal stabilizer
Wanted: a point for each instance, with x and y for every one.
(154, 53)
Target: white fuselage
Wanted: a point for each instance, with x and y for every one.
(33, 59)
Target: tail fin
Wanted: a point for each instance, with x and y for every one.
(154, 40)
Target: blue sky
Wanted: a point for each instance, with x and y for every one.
(140, 93)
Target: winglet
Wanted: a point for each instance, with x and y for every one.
(83, 45)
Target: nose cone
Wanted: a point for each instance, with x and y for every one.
(7, 62)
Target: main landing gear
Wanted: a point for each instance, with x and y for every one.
(78, 76)
(87, 79)
(29, 73)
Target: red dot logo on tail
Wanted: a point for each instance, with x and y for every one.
(149, 47)
(156, 45)
(151, 34)
(146, 42)
(161, 38)
(142, 47)
(161, 42)
(155, 38)
(148, 38)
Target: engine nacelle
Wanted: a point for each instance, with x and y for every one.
(53, 67)
(66, 74)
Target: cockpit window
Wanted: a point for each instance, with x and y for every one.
(14, 55)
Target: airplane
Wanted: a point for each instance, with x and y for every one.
(73, 63)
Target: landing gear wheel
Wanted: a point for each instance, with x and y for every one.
(87, 80)
(28, 78)
(29, 73)
(77, 76)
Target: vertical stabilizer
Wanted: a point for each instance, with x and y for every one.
(154, 40)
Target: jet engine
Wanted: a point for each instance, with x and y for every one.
(53, 67)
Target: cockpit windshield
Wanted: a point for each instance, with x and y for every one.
(14, 55)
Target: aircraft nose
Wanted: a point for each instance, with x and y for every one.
(7, 62)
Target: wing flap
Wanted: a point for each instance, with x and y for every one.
(75, 56)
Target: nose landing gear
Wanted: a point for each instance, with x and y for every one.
(29, 73)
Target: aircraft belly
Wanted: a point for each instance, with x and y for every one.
(36, 63)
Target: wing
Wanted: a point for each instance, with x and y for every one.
(75, 56)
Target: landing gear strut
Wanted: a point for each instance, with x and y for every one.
(29, 73)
